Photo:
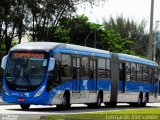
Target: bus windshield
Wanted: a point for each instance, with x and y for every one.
(25, 71)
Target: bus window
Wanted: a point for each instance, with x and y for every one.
(133, 72)
(84, 68)
(108, 63)
(148, 77)
(145, 74)
(91, 68)
(66, 67)
(128, 71)
(151, 74)
(54, 77)
(101, 69)
(139, 73)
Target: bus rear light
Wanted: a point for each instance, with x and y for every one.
(21, 100)
(39, 92)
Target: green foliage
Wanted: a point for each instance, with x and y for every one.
(61, 35)
(114, 43)
(13, 43)
(129, 29)
(78, 30)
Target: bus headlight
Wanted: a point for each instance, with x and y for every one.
(6, 91)
(39, 92)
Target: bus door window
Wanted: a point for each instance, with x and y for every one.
(151, 79)
(133, 72)
(84, 72)
(122, 77)
(66, 74)
(101, 69)
(128, 71)
(76, 74)
(155, 82)
(108, 70)
(139, 72)
(145, 75)
(93, 75)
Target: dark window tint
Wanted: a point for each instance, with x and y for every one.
(133, 72)
(145, 73)
(66, 67)
(84, 68)
(101, 69)
(108, 71)
(128, 71)
(139, 72)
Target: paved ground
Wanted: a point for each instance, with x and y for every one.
(36, 112)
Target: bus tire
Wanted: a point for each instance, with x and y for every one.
(144, 103)
(139, 102)
(65, 102)
(25, 106)
(99, 100)
(133, 104)
(113, 104)
(106, 104)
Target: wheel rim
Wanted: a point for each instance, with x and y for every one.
(64, 102)
(99, 101)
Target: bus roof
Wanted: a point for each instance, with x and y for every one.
(37, 46)
(136, 59)
(50, 46)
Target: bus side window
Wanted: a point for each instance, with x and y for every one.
(54, 78)
(66, 67)
(144, 73)
(84, 68)
(139, 73)
(128, 71)
(101, 69)
(133, 72)
(91, 68)
(108, 71)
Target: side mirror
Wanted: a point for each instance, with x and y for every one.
(51, 64)
(4, 62)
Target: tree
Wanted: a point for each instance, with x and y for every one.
(81, 31)
(11, 21)
(130, 29)
(38, 17)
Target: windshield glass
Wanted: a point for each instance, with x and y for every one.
(25, 71)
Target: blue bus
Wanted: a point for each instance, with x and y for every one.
(49, 73)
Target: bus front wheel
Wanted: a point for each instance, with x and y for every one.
(65, 103)
(25, 106)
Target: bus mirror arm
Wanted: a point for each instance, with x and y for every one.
(51, 64)
(4, 62)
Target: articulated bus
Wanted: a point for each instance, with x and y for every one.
(49, 73)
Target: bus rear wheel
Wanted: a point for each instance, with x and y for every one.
(99, 100)
(144, 103)
(25, 106)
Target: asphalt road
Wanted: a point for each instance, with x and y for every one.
(36, 112)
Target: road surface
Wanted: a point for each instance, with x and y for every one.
(36, 112)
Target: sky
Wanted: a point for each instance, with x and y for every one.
(134, 9)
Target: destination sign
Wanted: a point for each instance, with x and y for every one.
(27, 55)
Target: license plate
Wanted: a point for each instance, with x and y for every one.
(20, 99)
